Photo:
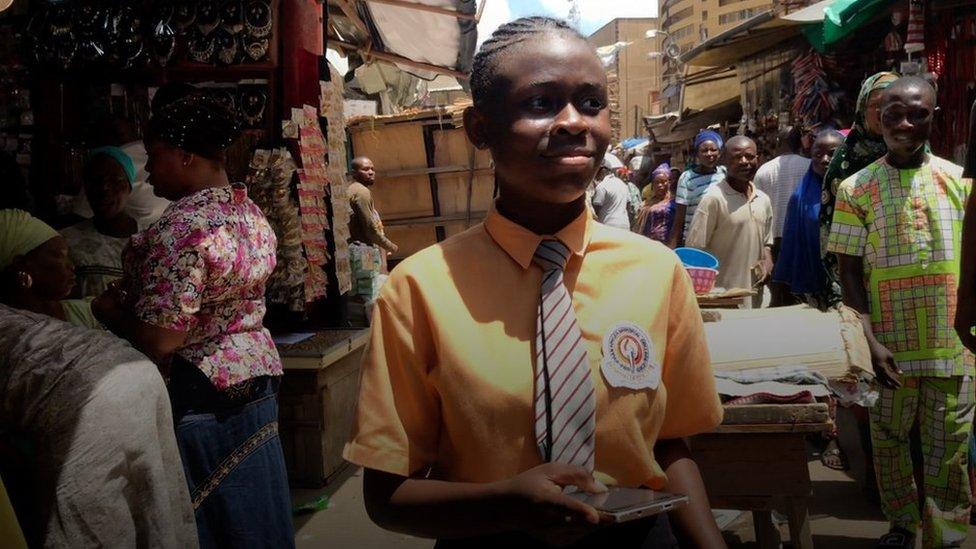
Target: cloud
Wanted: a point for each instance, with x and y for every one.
(496, 13)
(596, 13)
(593, 13)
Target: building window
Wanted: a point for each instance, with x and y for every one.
(683, 14)
(734, 16)
(704, 15)
(687, 30)
(702, 33)
(727, 2)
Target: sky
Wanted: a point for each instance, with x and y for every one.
(593, 13)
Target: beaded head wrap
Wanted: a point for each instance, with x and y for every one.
(196, 124)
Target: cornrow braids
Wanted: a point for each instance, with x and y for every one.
(482, 81)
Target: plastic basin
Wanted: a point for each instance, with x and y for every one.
(693, 257)
(702, 278)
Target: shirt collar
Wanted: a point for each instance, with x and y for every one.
(727, 189)
(521, 243)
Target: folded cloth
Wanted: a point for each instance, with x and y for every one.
(802, 397)
(105, 470)
(727, 387)
(799, 375)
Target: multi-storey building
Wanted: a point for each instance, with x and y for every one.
(691, 22)
(635, 74)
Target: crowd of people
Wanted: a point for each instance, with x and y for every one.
(868, 217)
(494, 378)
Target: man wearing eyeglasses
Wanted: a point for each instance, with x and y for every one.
(896, 231)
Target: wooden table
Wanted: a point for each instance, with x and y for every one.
(761, 465)
(317, 403)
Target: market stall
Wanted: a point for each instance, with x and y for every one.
(79, 74)
(774, 394)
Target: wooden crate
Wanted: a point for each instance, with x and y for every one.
(431, 183)
(317, 406)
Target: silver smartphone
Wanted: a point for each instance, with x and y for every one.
(624, 504)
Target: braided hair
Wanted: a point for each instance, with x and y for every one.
(483, 83)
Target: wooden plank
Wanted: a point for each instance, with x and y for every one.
(430, 146)
(757, 465)
(468, 191)
(436, 170)
(776, 414)
(767, 535)
(774, 429)
(398, 59)
(799, 517)
(439, 220)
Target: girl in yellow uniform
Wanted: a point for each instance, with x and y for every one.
(540, 349)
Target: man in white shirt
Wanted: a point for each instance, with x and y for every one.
(733, 222)
(778, 178)
(610, 199)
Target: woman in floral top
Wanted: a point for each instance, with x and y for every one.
(192, 299)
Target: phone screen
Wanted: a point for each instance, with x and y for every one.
(622, 499)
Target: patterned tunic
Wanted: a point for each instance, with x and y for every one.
(691, 189)
(201, 269)
(907, 225)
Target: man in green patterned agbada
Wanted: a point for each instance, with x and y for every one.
(896, 231)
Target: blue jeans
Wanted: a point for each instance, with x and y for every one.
(233, 460)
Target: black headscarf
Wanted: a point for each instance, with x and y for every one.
(196, 124)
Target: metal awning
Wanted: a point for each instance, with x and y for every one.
(824, 23)
(691, 124)
(748, 38)
(422, 37)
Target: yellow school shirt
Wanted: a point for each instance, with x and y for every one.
(447, 382)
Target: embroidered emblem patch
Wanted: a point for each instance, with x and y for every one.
(628, 359)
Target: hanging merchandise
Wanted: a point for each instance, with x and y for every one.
(956, 70)
(915, 41)
(331, 108)
(311, 200)
(893, 42)
(122, 35)
(813, 102)
(124, 31)
(163, 34)
(269, 185)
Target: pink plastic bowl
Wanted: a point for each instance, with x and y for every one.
(702, 278)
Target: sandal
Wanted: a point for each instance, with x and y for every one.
(897, 538)
(833, 457)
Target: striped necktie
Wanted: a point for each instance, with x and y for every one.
(565, 402)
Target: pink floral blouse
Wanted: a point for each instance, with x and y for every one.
(201, 269)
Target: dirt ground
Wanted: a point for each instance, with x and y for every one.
(842, 517)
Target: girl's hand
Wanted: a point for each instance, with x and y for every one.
(539, 494)
(547, 513)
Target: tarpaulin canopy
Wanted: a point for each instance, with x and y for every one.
(422, 37)
(840, 19)
(633, 142)
(691, 124)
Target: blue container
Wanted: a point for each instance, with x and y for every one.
(693, 257)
